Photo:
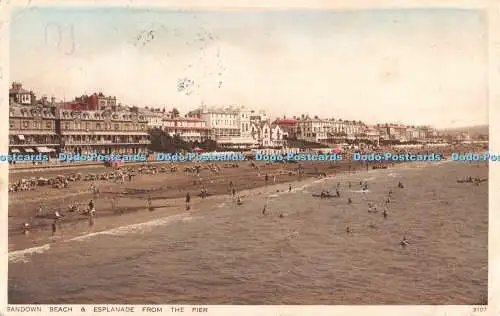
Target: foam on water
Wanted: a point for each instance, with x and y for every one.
(22, 255)
(394, 175)
(133, 228)
(359, 191)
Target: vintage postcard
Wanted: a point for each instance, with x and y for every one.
(166, 159)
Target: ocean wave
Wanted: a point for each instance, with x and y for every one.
(134, 228)
(394, 175)
(23, 255)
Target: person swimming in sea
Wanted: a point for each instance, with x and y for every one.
(338, 193)
(238, 201)
(404, 242)
(57, 215)
(26, 228)
(349, 201)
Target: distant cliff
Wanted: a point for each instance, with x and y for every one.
(474, 131)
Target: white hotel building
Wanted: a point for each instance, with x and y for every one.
(324, 130)
(189, 129)
(230, 127)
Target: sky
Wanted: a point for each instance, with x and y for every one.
(413, 66)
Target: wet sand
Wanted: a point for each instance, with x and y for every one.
(221, 253)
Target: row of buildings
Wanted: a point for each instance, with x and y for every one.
(98, 123)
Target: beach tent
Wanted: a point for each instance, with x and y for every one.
(116, 163)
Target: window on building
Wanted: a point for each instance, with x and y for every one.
(48, 124)
(117, 126)
(98, 126)
(35, 124)
(143, 126)
(11, 124)
(126, 126)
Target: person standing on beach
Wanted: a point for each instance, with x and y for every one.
(289, 188)
(266, 177)
(54, 227)
(188, 199)
(150, 203)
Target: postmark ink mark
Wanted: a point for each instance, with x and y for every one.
(185, 85)
(145, 37)
(59, 31)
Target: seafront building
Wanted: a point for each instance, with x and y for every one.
(104, 131)
(154, 117)
(229, 126)
(32, 129)
(89, 123)
(329, 130)
(21, 96)
(98, 123)
(189, 129)
(267, 135)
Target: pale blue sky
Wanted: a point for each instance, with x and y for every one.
(413, 66)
